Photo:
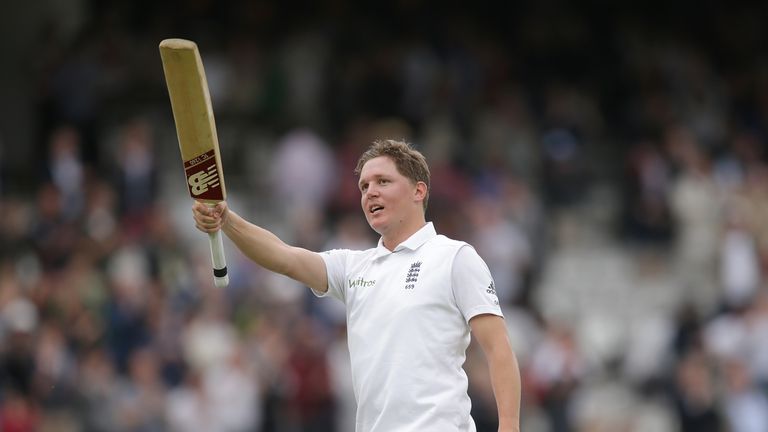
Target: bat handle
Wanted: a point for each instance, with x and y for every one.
(220, 276)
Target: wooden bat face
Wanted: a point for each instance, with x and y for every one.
(193, 114)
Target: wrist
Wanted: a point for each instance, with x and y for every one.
(226, 220)
(509, 426)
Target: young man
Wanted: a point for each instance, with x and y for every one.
(411, 301)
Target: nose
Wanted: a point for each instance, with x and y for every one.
(372, 191)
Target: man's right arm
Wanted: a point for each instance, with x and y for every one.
(263, 247)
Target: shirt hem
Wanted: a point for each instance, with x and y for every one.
(480, 310)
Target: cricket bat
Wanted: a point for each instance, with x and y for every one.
(196, 131)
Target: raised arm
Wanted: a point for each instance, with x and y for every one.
(491, 333)
(262, 246)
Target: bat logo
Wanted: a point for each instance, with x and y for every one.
(203, 177)
(200, 181)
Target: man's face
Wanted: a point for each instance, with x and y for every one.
(388, 197)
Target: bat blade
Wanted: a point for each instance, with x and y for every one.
(196, 131)
(195, 123)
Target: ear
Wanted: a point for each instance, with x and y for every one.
(420, 192)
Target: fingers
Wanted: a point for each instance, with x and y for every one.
(208, 219)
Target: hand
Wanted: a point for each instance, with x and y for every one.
(209, 219)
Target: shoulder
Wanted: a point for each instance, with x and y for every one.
(446, 242)
(449, 248)
(347, 254)
(461, 252)
(341, 262)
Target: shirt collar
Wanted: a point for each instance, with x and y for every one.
(412, 243)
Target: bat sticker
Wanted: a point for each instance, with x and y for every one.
(203, 177)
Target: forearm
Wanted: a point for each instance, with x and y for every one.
(505, 377)
(268, 251)
(258, 244)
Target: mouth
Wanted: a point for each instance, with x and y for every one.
(374, 209)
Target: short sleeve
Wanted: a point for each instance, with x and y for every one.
(335, 266)
(473, 286)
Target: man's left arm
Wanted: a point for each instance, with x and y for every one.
(491, 333)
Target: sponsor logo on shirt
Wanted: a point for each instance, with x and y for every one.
(413, 275)
(492, 291)
(361, 283)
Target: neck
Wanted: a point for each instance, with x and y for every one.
(392, 239)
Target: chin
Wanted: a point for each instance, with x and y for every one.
(376, 226)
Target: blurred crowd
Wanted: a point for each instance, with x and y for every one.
(612, 174)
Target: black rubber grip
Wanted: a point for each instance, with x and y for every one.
(220, 272)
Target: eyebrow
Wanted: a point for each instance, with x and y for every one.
(375, 177)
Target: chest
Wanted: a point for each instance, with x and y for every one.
(399, 284)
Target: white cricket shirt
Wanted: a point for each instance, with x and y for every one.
(408, 315)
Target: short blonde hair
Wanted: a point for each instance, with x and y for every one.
(409, 162)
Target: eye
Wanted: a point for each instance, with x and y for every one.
(383, 181)
(363, 187)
